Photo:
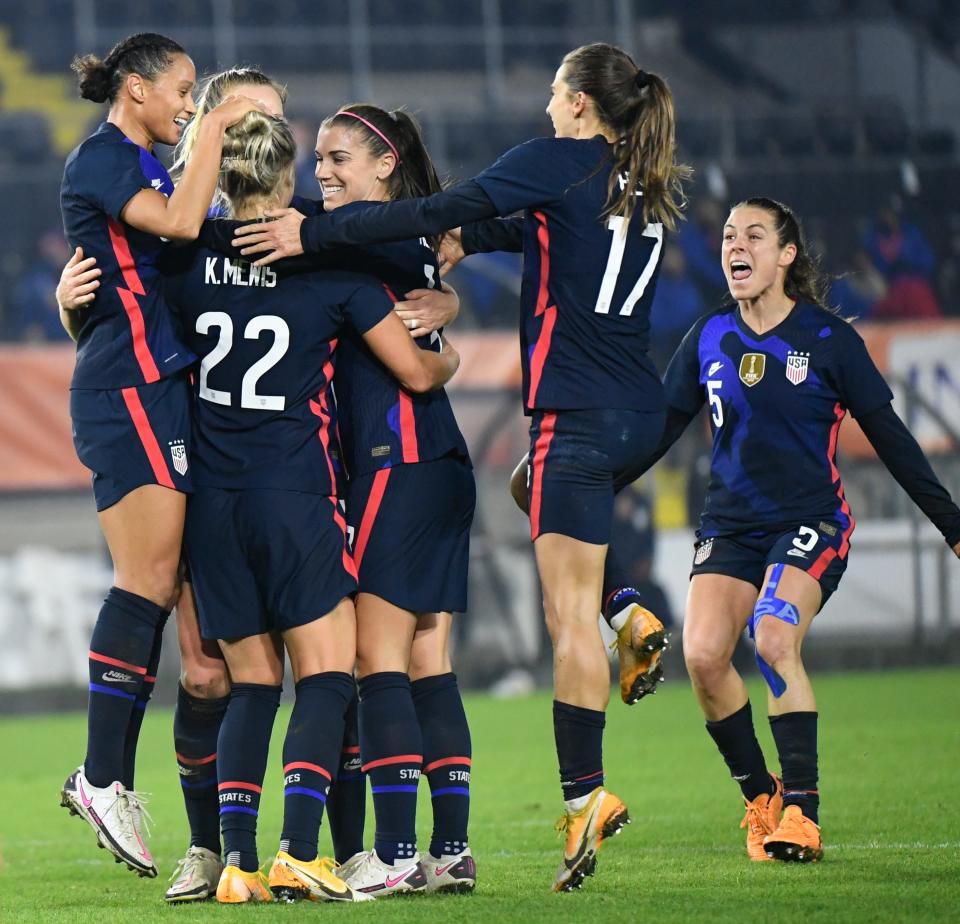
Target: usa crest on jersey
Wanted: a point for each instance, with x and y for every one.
(178, 453)
(797, 366)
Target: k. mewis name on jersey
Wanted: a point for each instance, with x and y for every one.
(237, 273)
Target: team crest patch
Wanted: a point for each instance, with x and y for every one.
(797, 366)
(752, 367)
(703, 552)
(178, 452)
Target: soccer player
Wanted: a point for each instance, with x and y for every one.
(265, 538)
(129, 398)
(779, 371)
(597, 200)
(410, 501)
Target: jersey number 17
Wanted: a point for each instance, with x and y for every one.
(619, 226)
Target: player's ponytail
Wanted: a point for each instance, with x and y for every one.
(258, 156)
(396, 133)
(638, 107)
(805, 280)
(145, 53)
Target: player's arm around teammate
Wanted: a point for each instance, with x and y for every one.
(129, 404)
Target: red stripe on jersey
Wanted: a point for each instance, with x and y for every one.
(542, 348)
(828, 555)
(128, 296)
(370, 512)
(304, 765)
(541, 448)
(408, 422)
(147, 437)
(121, 250)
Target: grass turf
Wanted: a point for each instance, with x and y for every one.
(889, 746)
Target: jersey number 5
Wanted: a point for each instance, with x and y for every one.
(618, 225)
(248, 387)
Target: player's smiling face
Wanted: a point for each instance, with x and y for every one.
(347, 171)
(753, 260)
(563, 107)
(168, 101)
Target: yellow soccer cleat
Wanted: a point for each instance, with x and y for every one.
(761, 820)
(603, 816)
(316, 880)
(641, 640)
(236, 887)
(796, 839)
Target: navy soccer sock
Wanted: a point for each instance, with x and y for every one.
(196, 727)
(795, 734)
(392, 751)
(737, 742)
(140, 707)
(311, 751)
(579, 736)
(120, 650)
(347, 798)
(241, 765)
(446, 759)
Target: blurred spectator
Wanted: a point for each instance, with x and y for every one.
(34, 315)
(855, 293)
(305, 135)
(676, 305)
(902, 255)
(489, 288)
(699, 239)
(633, 536)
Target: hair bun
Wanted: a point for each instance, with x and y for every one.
(641, 79)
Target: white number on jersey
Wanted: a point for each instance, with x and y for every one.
(716, 405)
(248, 387)
(811, 538)
(619, 226)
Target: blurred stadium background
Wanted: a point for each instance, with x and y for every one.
(847, 110)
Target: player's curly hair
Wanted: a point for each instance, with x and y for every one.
(414, 175)
(213, 91)
(145, 53)
(805, 280)
(258, 156)
(638, 107)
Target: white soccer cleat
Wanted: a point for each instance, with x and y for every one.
(116, 814)
(195, 877)
(456, 873)
(373, 876)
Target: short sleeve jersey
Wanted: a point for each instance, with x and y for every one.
(588, 283)
(381, 424)
(776, 401)
(128, 335)
(267, 338)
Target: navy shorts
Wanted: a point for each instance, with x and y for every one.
(578, 461)
(265, 560)
(411, 533)
(819, 547)
(129, 437)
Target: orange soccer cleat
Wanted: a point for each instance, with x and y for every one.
(640, 642)
(796, 839)
(603, 816)
(236, 887)
(761, 820)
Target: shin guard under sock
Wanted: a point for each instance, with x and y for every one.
(737, 741)
(579, 736)
(140, 707)
(347, 798)
(795, 734)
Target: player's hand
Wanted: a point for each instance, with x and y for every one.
(79, 282)
(276, 239)
(234, 108)
(427, 310)
(451, 250)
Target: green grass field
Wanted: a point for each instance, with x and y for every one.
(889, 752)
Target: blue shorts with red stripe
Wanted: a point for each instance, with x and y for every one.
(411, 533)
(264, 560)
(129, 437)
(577, 463)
(819, 547)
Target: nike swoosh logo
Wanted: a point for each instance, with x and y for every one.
(578, 856)
(714, 367)
(390, 883)
(323, 885)
(117, 678)
(83, 796)
(440, 870)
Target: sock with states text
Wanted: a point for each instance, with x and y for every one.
(347, 797)
(579, 737)
(447, 759)
(795, 734)
(737, 741)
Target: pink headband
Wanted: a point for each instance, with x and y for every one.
(373, 128)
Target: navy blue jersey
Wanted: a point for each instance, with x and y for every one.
(264, 414)
(382, 424)
(587, 285)
(128, 335)
(776, 403)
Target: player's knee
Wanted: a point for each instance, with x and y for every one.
(159, 582)
(205, 682)
(778, 643)
(705, 663)
(570, 616)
